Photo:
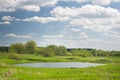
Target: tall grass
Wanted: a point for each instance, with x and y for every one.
(110, 71)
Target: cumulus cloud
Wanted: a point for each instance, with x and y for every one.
(13, 5)
(9, 5)
(99, 24)
(29, 5)
(7, 18)
(31, 8)
(94, 17)
(40, 19)
(18, 36)
(97, 11)
(85, 11)
(46, 19)
(65, 12)
(5, 22)
(101, 2)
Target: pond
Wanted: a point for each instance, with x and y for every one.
(60, 64)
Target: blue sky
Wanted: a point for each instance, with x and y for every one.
(72, 23)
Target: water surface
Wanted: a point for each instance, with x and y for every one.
(60, 64)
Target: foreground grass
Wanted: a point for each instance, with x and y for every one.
(111, 71)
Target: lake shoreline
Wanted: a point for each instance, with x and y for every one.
(59, 64)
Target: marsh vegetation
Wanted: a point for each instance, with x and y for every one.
(24, 53)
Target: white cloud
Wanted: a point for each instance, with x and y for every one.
(97, 18)
(32, 8)
(99, 28)
(48, 2)
(5, 22)
(71, 41)
(97, 11)
(97, 24)
(83, 35)
(112, 34)
(9, 5)
(116, 0)
(7, 18)
(40, 19)
(62, 18)
(75, 29)
(112, 44)
(101, 2)
(85, 11)
(46, 19)
(18, 36)
(13, 5)
(65, 12)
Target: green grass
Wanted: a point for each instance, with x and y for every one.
(110, 71)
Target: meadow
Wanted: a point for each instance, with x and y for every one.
(110, 71)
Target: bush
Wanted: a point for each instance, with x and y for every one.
(83, 53)
(17, 48)
(31, 47)
(47, 52)
(14, 56)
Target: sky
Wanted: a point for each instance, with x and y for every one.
(71, 23)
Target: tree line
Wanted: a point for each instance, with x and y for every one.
(30, 47)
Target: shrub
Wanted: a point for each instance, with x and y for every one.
(47, 52)
(14, 56)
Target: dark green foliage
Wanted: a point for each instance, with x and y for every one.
(61, 51)
(83, 53)
(58, 50)
(75, 52)
(17, 48)
(53, 47)
(114, 53)
(14, 56)
(31, 47)
(104, 53)
(52, 50)
(93, 52)
(4, 49)
(47, 52)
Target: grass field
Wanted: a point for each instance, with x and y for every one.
(110, 71)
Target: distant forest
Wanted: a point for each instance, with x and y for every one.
(53, 50)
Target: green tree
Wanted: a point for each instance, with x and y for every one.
(31, 47)
(47, 52)
(17, 48)
(58, 50)
(101, 53)
(84, 53)
(61, 51)
(93, 52)
(75, 52)
(53, 47)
